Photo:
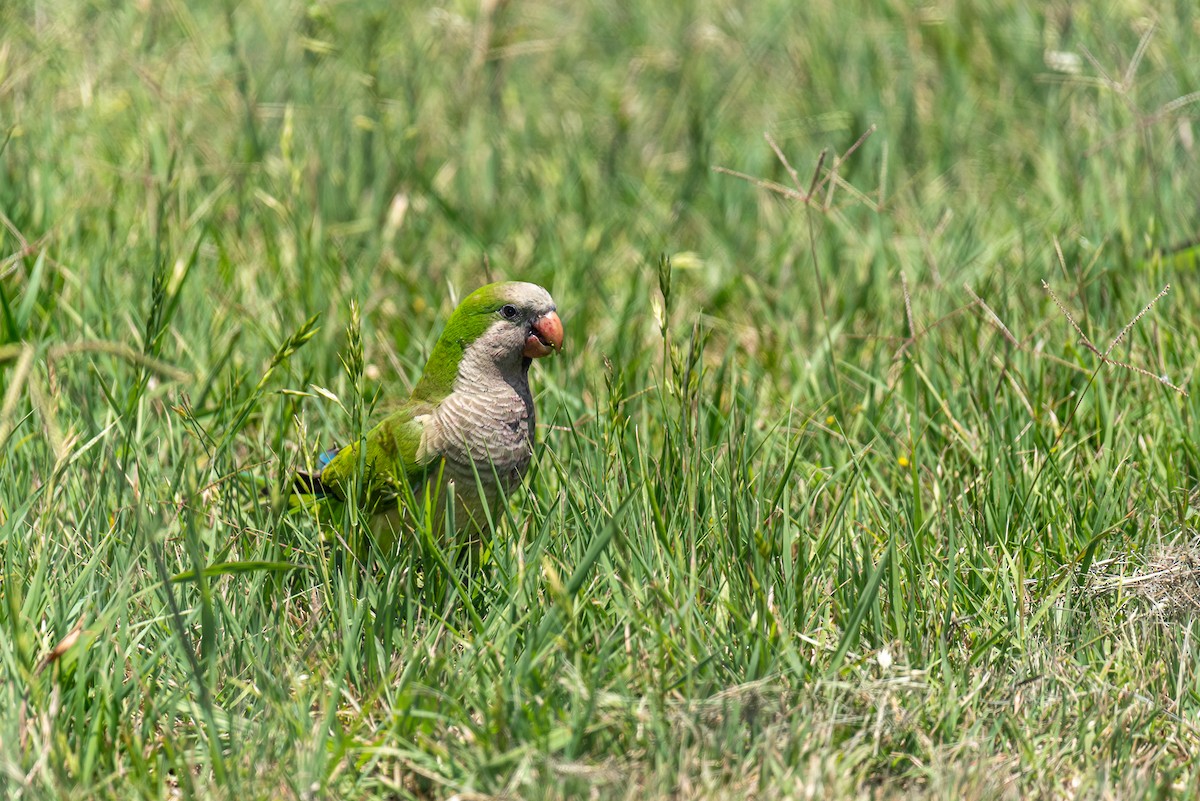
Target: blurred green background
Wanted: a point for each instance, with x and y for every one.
(837, 503)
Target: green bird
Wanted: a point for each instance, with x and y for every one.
(468, 426)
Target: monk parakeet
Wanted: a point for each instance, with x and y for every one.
(469, 422)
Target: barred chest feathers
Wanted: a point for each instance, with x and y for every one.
(486, 433)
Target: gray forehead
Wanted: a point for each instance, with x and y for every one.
(528, 295)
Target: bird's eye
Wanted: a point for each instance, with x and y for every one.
(508, 311)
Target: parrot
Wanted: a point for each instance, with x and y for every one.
(468, 425)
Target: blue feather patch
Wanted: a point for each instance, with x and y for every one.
(326, 457)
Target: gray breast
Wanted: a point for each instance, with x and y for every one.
(491, 434)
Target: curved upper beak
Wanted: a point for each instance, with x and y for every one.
(545, 336)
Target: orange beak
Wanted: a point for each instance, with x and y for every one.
(545, 336)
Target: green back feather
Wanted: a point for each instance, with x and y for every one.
(391, 457)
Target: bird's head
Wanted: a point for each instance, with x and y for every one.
(497, 329)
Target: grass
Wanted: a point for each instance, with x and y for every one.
(831, 500)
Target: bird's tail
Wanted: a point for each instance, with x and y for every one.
(308, 482)
(310, 493)
(307, 490)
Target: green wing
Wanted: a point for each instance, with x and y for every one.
(395, 459)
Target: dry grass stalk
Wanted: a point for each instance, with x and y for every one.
(1104, 355)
